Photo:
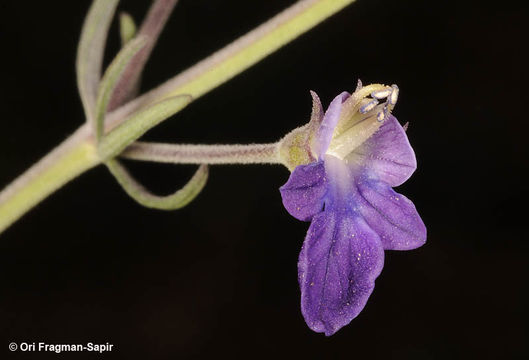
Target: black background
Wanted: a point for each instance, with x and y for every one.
(219, 277)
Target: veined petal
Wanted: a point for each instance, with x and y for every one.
(361, 151)
(304, 192)
(332, 115)
(387, 154)
(391, 215)
(338, 264)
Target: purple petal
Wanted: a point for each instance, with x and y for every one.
(332, 115)
(338, 264)
(388, 154)
(391, 215)
(304, 192)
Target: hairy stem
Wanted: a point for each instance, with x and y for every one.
(244, 52)
(203, 154)
(70, 159)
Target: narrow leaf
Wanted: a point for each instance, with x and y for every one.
(151, 28)
(143, 196)
(110, 79)
(139, 123)
(90, 52)
(127, 28)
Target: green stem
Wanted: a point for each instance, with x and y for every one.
(246, 51)
(70, 159)
(78, 153)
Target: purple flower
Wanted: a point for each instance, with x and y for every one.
(345, 163)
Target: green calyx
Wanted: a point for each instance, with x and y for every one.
(294, 148)
(297, 147)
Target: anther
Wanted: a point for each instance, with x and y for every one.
(369, 106)
(381, 116)
(394, 95)
(381, 94)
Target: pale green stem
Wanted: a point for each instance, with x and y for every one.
(242, 53)
(70, 159)
(203, 154)
(78, 153)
